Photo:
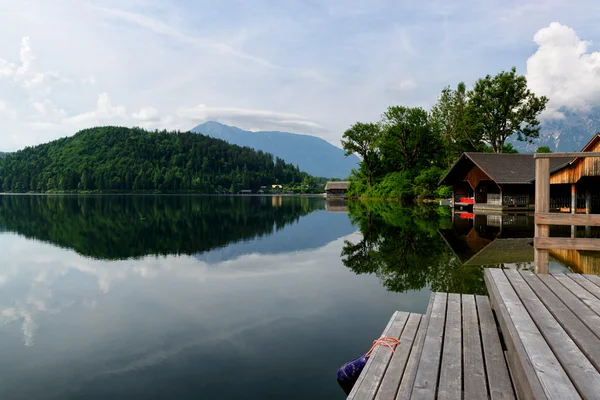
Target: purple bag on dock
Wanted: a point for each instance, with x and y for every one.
(348, 373)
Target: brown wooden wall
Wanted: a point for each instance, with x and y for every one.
(579, 262)
(588, 166)
(476, 175)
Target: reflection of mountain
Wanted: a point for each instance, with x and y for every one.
(120, 227)
(310, 232)
(491, 239)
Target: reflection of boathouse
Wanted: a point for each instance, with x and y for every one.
(491, 239)
(491, 181)
(336, 205)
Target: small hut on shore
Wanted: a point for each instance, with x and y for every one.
(336, 189)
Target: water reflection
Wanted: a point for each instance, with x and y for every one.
(403, 247)
(122, 227)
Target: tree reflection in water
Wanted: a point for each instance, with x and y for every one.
(403, 247)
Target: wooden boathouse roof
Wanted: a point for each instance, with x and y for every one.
(337, 185)
(499, 167)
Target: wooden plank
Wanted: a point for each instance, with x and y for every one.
(586, 297)
(410, 373)
(475, 382)
(537, 372)
(542, 185)
(583, 312)
(498, 379)
(378, 362)
(586, 284)
(429, 365)
(546, 218)
(393, 375)
(579, 369)
(565, 155)
(549, 243)
(450, 386)
(594, 278)
(575, 328)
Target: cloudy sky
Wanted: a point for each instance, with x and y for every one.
(312, 66)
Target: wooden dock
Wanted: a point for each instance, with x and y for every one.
(541, 341)
(451, 352)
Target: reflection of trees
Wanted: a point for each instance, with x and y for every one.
(119, 227)
(402, 246)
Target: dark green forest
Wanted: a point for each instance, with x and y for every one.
(118, 159)
(122, 227)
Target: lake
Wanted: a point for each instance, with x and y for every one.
(153, 297)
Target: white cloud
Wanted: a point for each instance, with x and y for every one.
(146, 114)
(248, 118)
(564, 70)
(104, 111)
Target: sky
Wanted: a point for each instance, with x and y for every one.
(309, 66)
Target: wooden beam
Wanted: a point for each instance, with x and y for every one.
(542, 205)
(546, 243)
(567, 219)
(565, 155)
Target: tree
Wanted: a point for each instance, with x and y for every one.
(362, 139)
(502, 106)
(449, 117)
(408, 141)
(543, 149)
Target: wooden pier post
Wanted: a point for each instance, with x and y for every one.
(542, 205)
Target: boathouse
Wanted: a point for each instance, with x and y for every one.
(495, 181)
(337, 189)
(575, 186)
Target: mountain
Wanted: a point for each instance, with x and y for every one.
(570, 133)
(117, 159)
(312, 154)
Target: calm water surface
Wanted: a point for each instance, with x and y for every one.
(152, 297)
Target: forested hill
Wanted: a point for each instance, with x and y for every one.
(313, 154)
(2, 155)
(117, 159)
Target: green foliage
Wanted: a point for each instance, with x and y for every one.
(426, 183)
(362, 139)
(543, 149)
(450, 118)
(408, 141)
(443, 192)
(502, 106)
(405, 154)
(117, 159)
(394, 185)
(402, 246)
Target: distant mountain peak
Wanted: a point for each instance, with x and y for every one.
(312, 154)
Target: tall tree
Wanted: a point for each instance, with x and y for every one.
(450, 118)
(362, 139)
(408, 140)
(501, 106)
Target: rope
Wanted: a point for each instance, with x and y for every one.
(387, 341)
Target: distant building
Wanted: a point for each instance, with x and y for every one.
(261, 192)
(337, 189)
(246, 191)
(276, 187)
